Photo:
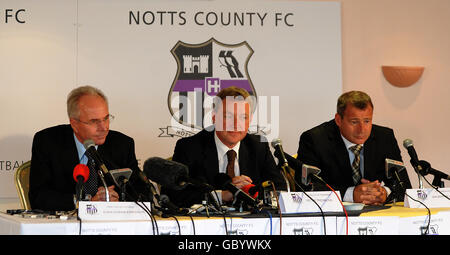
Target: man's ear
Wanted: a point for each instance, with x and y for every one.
(74, 124)
(338, 119)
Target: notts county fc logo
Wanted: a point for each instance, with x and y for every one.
(203, 70)
(91, 209)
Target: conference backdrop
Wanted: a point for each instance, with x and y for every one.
(160, 63)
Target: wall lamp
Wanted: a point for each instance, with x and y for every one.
(402, 76)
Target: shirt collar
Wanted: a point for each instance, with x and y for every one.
(80, 147)
(222, 148)
(349, 144)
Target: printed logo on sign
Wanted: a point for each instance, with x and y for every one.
(364, 231)
(422, 194)
(238, 232)
(91, 209)
(432, 230)
(203, 70)
(303, 231)
(296, 198)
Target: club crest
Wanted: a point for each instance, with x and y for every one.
(203, 70)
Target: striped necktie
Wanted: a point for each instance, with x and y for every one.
(355, 165)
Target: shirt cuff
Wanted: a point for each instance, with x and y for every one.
(217, 195)
(348, 196)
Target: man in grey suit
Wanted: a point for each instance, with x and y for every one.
(351, 151)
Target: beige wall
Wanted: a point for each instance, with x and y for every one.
(403, 32)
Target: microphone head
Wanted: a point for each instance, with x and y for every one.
(88, 143)
(164, 198)
(81, 170)
(307, 171)
(251, 189)
(407, 143)
(166, 172)
(276, 142)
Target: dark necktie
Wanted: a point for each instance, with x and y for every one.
(231, 155)
(355, 165)
(91, 185)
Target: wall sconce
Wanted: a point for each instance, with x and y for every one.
(402, 76)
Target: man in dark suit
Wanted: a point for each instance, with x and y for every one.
(57, 150)
(351, 151)
(226, 148)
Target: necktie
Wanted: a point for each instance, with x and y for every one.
(355, 165)
(231, 155)
(91, 186)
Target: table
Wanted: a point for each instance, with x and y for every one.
(394, 220)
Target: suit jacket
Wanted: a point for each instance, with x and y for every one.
(199, 153)
(54, 156)
(322, 146)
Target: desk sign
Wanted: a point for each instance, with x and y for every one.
(298, 202)
(88, 210)
(430, 197)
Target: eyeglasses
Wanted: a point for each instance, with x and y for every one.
(95, 122)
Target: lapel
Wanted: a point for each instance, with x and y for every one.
(339, 149)
(69, 151)
(244, 156)
(209, 156)
(104, 154)
(369, 156)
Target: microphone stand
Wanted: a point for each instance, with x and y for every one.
(419, 176)
(102, 177)
(285, 171)
(397, 188)
(420, 180)
(123, 185)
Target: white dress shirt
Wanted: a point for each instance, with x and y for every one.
(222, 150)
(348, 196)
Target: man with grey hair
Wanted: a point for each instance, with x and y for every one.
(351, 151)
(57, 150)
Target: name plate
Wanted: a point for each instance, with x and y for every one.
(106, 211)
(298, 202)
(430, 197)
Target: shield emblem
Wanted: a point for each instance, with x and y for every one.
(203, 70)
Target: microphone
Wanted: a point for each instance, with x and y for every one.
(422, 166)
(408, 144)
(121, 175)
(92, 153)
(396, 172)
(169, 207)
(294, 163)
(223, 181)
(253, 190)
(391, 166)
(285, 171)
(427, 169)
(167, 173)
(80, 175)
(279, 153)
(152, 189)
(308, 172)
